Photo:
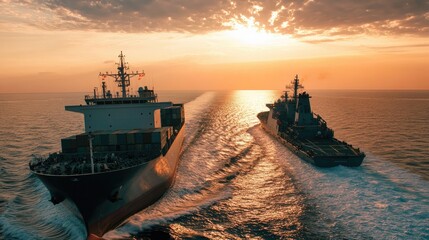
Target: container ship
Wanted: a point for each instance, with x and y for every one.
(291, 121)
(124, 161)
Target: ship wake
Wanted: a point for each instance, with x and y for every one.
(210, 164)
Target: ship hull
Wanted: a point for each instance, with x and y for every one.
(319, 161)
(105, 200)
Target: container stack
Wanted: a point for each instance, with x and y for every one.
(173, 116)
(147, 140)
(69, 145)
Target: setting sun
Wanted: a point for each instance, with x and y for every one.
(250, 33)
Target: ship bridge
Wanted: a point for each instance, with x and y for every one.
(144, 96)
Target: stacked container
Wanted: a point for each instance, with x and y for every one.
(147, 140)
(173, 116)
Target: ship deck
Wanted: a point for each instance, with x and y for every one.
(78, 164)
(326, 147)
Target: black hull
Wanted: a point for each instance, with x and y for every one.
(105, 200)
(319, 161)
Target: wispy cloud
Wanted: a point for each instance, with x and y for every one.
(300, 18)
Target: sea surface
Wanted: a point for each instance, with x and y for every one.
(234, 181)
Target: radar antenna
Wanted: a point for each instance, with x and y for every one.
(295, 86)
(122, 77)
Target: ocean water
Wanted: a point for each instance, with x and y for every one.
(234, 181)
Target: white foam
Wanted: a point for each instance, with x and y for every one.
(29, 215)
(168, 208)
(194, 112)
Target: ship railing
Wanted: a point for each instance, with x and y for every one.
(144, 96)
(357, 151)
(80, 163)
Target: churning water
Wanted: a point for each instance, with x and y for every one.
(234, 181)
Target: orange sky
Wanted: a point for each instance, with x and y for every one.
(61, 46)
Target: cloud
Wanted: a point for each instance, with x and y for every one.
(379, 16)
(398, 48)
(301, 18)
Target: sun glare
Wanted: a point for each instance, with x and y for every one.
(249, 33)
(251, 36)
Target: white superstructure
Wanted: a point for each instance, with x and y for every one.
(123, 117)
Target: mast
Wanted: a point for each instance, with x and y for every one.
(296, 86)
(122, 77)
(104, 88)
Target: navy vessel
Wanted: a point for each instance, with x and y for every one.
(124, 161)
(292, 122)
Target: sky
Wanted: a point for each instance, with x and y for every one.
(62, 46)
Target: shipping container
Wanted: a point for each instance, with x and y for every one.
(155, 147)
(96, 141)
(82, 140)
(156, 136)
(112, 148)
(102, 148)
(69, 145)
(138, 137)
(170, 113)
(105, 139)
(147, 137)
(147, 140)
(131, 138)
(82, 149)
(139, 147)
(122, 139)
(113, 139)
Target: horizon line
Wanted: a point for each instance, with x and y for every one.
(223, 90)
